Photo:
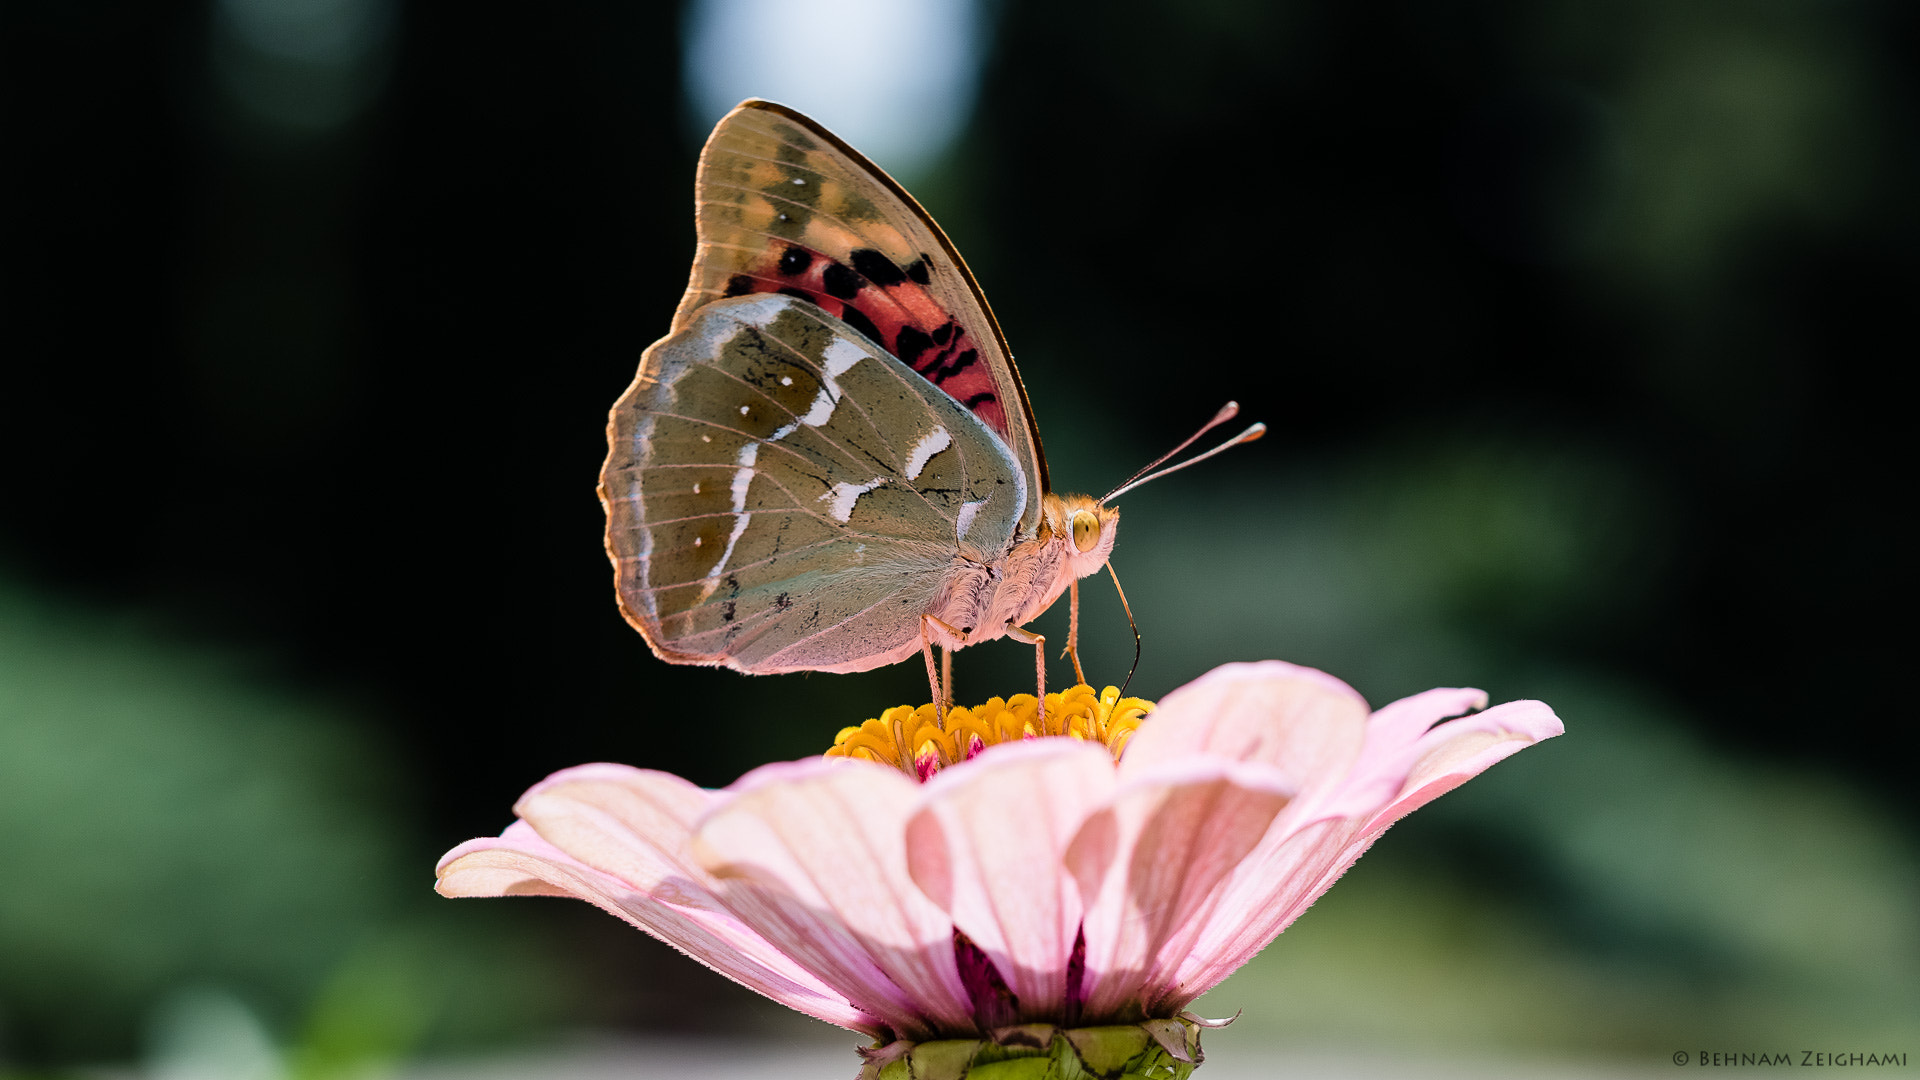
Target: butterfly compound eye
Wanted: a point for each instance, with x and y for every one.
(1086, 530)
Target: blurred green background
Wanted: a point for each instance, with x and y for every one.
(1573, 323)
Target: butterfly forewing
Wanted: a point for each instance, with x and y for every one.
(783, 495)
(782, 206)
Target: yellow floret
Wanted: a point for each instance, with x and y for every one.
(914, 741)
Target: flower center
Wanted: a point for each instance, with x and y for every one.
(914, 741)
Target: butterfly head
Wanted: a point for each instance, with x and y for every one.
(1083, 527)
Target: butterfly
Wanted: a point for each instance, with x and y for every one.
(830, 463)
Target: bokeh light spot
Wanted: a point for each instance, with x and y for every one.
(302, 65)
(895, 80)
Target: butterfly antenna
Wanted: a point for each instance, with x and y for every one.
(1227, 412)
(1131, 625)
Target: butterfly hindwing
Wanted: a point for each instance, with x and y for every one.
(783, 206)
(784, 495)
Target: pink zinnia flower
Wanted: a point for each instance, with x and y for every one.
(1035, 881)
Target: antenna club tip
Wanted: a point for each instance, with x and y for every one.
(1146, 474)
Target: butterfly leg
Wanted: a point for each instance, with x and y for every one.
(933, 677)
(946, 673)
(931, 630)
(1073, 630)
(1028, 637)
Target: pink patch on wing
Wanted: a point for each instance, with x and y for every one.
(888, 305)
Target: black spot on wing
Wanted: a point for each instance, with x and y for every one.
(979, 399)
(953, 367)
(840, 281)
(910, 344)
(796, 261)
(876, 267)
(738, 285)
(854, 318)
(917, 270)
(943, 332)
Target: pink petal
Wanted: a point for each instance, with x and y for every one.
(986, 846)
(813, 855)
(1400, 770)
(1410, 717)
(461, 876)
(519, 862)
(1265, 894)
(1449, 755)
(1305, 723)
(631, 823)
(1152, 863)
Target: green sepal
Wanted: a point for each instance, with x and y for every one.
(1154, 1050)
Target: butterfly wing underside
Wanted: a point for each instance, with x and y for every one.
(783, 206)
(782, 495)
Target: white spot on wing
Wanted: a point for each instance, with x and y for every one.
(762, 311)
(838, 357)
(841, 499)
(841, 355)
(923, 451)
(823, 403)
(964, 523)
(742, 480)
(743, 476)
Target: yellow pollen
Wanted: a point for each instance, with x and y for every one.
(1077, 713)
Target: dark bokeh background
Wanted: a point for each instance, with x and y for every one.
(1577, 326)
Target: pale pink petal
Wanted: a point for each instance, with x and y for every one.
(1410, 717)
(631, 823)
(813, 855)
(519, 862)
(1449, 755)
(1263, 896)
(986, 846)
(1305, 723)
(1394, 752)
(461, 876)
(1151, 866)
(1400, 770)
